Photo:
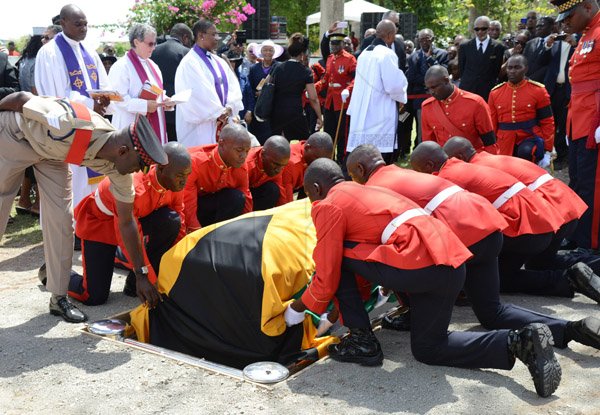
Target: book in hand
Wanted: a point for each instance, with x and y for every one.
(99, 93)
(150, 92)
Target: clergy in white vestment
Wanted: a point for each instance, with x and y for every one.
(134, 76)
(378, 86)
(65, 68)
(216, 95)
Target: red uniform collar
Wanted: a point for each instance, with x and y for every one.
(216, 157)
(519, 85)
(453, 96)
(153, 180)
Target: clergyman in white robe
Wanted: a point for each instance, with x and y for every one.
(196, 120)
(378, 86)
(125, 80)
(52, 79)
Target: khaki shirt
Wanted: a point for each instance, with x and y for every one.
(41, 116)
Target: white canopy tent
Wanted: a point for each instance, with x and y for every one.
(352, 11)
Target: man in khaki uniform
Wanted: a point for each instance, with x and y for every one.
(48, 132)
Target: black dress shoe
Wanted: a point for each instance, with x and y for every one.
(130, 286)
(359, 346)
(61, 306)
(398, 323)
(583, 280)
(586, 331)
(533, 346)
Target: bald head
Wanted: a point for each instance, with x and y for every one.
(386, 31)
(318, 145)
(69, 11)
(234, 144)
(73, 22)
(275, 155)
(460, 148)
(437, 81)
(428, 157)
(173, 176)
(320, 177)
(363, 161)
(437, 72)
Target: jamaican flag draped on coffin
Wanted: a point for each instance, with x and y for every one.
(226, 287)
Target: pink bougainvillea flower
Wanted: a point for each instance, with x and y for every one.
(173, 9)
(248, 9)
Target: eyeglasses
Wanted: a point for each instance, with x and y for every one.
(480, 29)
(46, 37)
(150, 44)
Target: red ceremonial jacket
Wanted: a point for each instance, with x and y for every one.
(470, 216)
(525, 212)
(292, 176)
(93, 223)
(256, 174)
(462, 114)
(359, 214)
(526, 103)
(339, 75)
(556, 193)
(209, 175)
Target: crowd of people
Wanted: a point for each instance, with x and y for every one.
(152, 146)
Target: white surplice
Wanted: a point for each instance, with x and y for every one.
(52, 79)
(378, 85)
(125, 80)
(196, 120)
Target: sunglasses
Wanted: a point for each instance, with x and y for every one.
(150, 44)
(46, 37)
(480, 29)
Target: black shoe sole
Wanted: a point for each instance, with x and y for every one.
(588, 333)
(67, 319)
(376, 360)
(545, 369)
(583, 286)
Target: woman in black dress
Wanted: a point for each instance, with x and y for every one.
(291, 78)
(268, 51)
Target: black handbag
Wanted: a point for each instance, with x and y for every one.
(264, 102)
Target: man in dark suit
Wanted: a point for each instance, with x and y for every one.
(397, 46)
(8, 77)
(479, 60)
(167, 56)
(418, 64)
(537, 51)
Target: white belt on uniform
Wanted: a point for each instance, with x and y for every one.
(504, 197)
(544, 178)
(441, 197)
(101, 204)
(399, 220)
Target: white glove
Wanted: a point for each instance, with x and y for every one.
(293, 317)
(382, 298)
(345, 94)
(545, 162)
(324, 325)
(597, 135)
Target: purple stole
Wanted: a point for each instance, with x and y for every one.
(153, 117)
(74, 70)
(77, 82)
(222, 94)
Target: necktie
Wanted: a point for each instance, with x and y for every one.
(480, 48)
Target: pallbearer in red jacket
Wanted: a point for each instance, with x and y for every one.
(217, 188)
(389, 240)
(265, 165)
(564, 201)
(478, 225)
(452, 111)
(338, 81)
(532, 221)
(158, 209)
(302, 154)
(522, 115)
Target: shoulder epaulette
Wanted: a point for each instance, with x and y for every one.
(536, 83)
(498, 86)
(427, 101)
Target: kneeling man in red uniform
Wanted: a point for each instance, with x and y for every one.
(389, 240)
(158, 210)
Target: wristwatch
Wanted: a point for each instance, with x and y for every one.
(142, 270)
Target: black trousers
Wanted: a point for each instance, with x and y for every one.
(160, 228)
(559, 101)
(265, 196)
(519, 250)
(219, 206)
(292, 126)
(482, 285)
(582, 179)
(330, 123)
(432, 293)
